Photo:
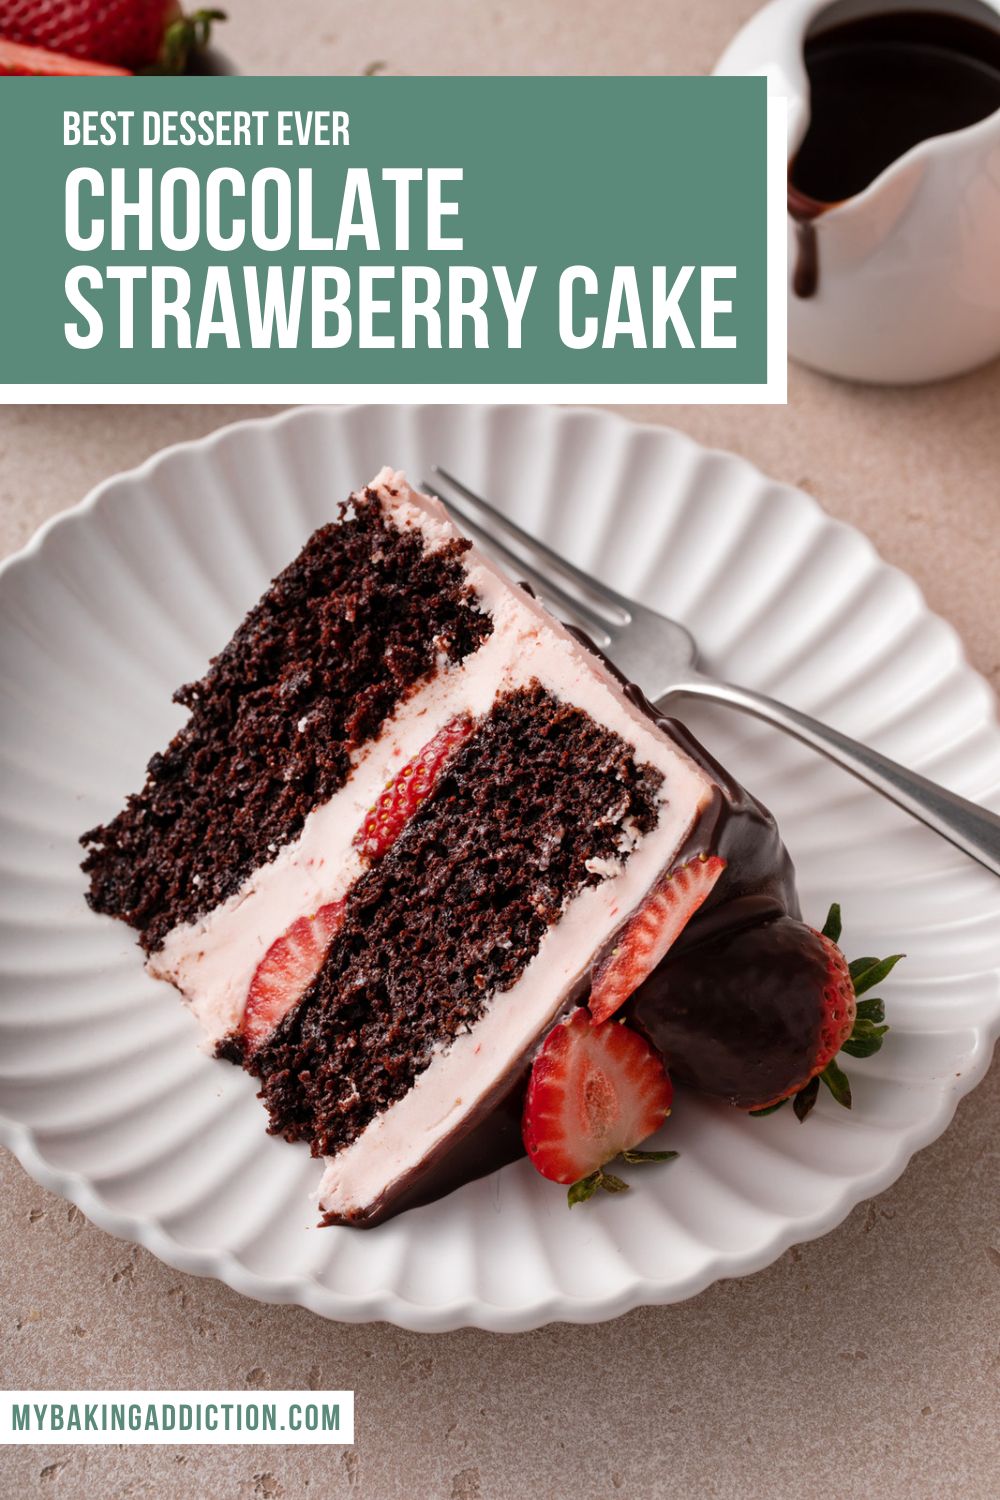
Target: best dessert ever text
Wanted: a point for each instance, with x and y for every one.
(151, 235)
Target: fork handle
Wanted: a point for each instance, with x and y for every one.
(973, 829)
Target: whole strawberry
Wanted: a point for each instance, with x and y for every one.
(131, 34)
(758, 1015)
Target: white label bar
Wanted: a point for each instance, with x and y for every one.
(176, 1417)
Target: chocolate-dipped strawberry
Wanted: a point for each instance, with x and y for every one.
(758, 1014)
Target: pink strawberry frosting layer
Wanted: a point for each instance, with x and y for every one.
(213, 959)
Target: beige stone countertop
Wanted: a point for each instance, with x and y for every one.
(865, 1364)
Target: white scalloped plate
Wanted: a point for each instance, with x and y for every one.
(104, 1094)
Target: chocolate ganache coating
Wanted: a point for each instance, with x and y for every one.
(758, 883)
(738, 1015)
(732, 1006)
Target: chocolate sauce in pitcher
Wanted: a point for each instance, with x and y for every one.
(879, 85)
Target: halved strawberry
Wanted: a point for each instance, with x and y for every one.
(650, 932)
(409, 787)
(595, 1092)
(287, 970)
(18, 61)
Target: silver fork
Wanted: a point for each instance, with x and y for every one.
(660, 655)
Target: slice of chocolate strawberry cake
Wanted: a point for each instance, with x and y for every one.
(410, 824)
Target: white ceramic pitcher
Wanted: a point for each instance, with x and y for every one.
(909, 282)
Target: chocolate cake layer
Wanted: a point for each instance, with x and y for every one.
(527, 814)
(275, 719)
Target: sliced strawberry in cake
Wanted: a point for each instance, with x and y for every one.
(409, 787)
(286, 971)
